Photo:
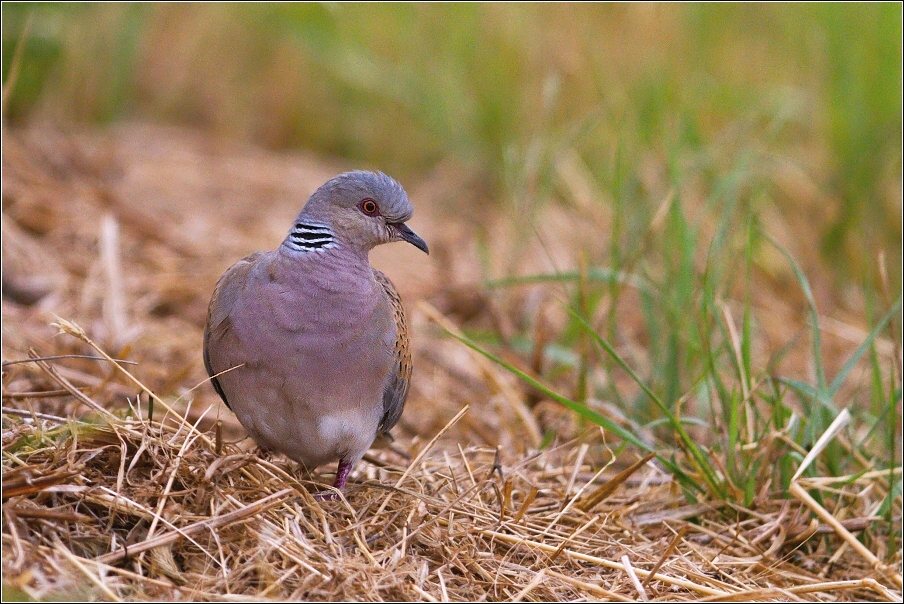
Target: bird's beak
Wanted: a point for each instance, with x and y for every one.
(406, 234)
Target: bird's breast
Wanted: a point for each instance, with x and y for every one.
(326, 331)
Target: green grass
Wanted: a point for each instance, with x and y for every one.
(700, 370)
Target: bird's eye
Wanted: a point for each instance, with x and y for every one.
(369, 206)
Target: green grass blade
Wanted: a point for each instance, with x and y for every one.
(582, 410)
(849, 365)
(814, 315)
(594, 273)
(699, 458)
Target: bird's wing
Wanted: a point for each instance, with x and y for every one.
(396, 389)
(219, 325)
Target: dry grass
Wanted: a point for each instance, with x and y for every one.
(125, 233)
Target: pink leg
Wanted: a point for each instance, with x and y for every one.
(342, 474)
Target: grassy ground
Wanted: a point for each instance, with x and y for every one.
(665, 230)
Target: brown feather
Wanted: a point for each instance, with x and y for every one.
(396, 390)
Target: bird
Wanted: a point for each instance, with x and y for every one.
(308, 344)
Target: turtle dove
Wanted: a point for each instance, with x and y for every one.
(308, 344)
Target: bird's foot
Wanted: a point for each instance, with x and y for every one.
(326, 496)
(341, 477)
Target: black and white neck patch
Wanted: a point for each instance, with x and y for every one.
(310, 237)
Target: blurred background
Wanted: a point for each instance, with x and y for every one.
(687, 176)
(808, 96)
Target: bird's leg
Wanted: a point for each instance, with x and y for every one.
(342, 473)
(345, 467)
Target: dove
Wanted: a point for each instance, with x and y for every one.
(308, 344)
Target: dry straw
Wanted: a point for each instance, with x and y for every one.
(131, 508)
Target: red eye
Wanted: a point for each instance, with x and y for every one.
(369, 206)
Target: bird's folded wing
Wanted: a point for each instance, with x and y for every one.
(219, 326)
(396, 389)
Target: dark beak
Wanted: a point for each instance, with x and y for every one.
(406, 234)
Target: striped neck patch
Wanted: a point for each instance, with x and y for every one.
(310, 237)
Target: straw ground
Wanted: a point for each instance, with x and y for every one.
(123, 477)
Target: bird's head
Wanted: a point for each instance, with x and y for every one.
(357, 209)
